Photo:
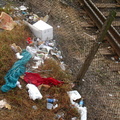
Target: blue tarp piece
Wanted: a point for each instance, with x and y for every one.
(15, 72)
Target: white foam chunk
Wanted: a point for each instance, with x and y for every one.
(34, 92)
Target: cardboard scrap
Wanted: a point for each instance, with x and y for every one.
(8, 106)
(6, 21)
(16, 48)
(45, 19)
(4, 104)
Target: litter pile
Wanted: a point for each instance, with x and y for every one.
(40, 47)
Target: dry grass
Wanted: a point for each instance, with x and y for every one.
(7, 57)
(22, 105)
(18, 98)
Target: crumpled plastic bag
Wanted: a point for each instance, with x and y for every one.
(18, 56)
(6, 21)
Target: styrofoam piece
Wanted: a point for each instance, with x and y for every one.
(33, 91)
(18, 56)
(74, 95)
(19, 85)
(38, 63)
(74, 118)
(48, 48)
(31, 50)
(51, 44)
(82, 111)
(2, 103)
(36, 58)
(23, 7)
(41, 30)
(55, 106)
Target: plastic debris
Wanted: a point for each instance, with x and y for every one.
(74, 118)
(33, 91)
(74, 95)
(49, 106)
(45, 47)
(51, 100)
(57, 54)
(41, 30)
(6, 21)
(35, 18)
(18, 84)
(110, 95)
(38, 63)
(18, 56)
(24, 13)
(83, 112)
(58, 26)
(60, 115)
(31, 50)
(55, 106)
(81, 102)
(83, 80)
(34, 107)
(23, 7)
(36, 58)
(39, 49)
(50, 103)
(37, 42)
(39, 53)
(2, 103)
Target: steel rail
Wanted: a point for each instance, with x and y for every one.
(96, 15)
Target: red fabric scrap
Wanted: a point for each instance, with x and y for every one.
(36, 79)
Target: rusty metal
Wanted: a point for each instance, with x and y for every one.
(96, 15)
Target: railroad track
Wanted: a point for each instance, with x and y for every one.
(113, 36)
